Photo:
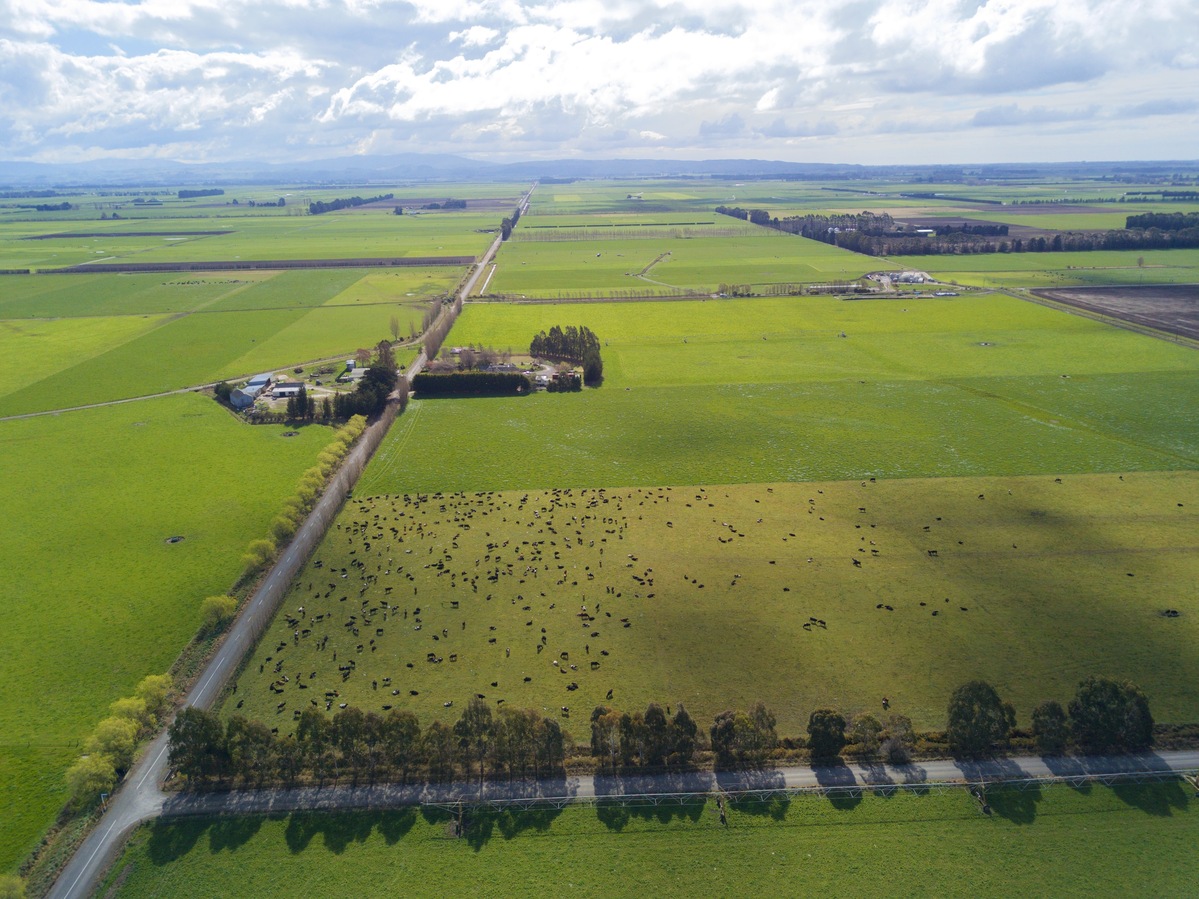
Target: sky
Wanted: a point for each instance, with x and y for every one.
(839, 81)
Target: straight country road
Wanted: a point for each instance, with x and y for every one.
(139, 798)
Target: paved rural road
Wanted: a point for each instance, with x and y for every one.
(139, 797)
(141, 800)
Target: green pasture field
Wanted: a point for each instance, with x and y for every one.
(31, 350)
(706, 596)
(761, 258)
(796, 339)
(400, 285)
(1060, 269)
(341, 235)
(234, 326)
(1097, 841)
(95, 599)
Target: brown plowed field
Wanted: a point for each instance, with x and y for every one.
(1173, 308)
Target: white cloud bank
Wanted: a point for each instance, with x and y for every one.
(873, 81)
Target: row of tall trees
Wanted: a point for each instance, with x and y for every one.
(653, 738)
(370, 395)
(876, 234)
(1105, 716)
(508, 224)
(366, 746)
(1164, 221)
(318, 207)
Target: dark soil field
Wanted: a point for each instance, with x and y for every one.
(1171, 308)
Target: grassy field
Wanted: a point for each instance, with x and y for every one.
(760, 258)
(1057, 841)
(95, 597)
(1061, 269)
(705, 595)
(87, 347)
(912, 392)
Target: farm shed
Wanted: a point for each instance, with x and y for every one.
(243, 397)
(291, 388)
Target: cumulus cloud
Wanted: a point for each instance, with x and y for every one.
(527, 77)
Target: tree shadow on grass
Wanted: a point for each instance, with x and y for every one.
(691, 809)
(337, 829)
(171, 839)
(233, 832)
(765, 806)
(1013, 804)
(612, 814)
(481, 824)
(1160, 799)
(838, 777)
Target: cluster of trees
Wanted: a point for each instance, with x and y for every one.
(1105, 716)
(109, 749)
(570, 344)
(653, 738)
(317, 207)
(370, 395)
(743, 739)
(64, 206)
(508, 224)
(1164, 221)
(565, 382)
(448, 204)
(203, 192)
(367, 746)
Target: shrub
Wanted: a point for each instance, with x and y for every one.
(115, 738)
(258, 553)
(90, 776)
(217, 610)
(154, 690)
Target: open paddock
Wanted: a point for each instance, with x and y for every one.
(800, 595)
(95, 598)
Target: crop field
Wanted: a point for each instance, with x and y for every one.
(1056, 841)
(95, 599)
(234, 325)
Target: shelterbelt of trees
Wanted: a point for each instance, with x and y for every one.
(875, 234)
(1105, 716)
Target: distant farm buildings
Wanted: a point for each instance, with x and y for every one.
(243, 397)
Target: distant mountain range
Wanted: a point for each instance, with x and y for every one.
(437, 167)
